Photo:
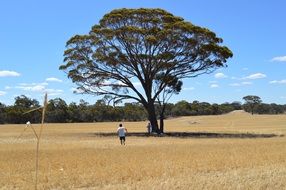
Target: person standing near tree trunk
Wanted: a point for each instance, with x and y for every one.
(149, 128)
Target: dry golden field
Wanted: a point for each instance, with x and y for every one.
(72, 157)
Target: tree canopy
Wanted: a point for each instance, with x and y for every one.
(252, 101)
(150, 48)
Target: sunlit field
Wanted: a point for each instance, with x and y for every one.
(72, 156)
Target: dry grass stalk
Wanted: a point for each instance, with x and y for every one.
(38, 136)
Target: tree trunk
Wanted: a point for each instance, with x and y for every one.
(162, 118)
(152, 118)
(162, 123)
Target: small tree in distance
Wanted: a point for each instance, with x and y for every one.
(141, 53)
(252, 101)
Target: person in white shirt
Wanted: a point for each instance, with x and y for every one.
(121, 131)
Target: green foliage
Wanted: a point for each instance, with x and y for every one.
(17, 112)
(251, 103)
(251, 99)
(3, 114)
(57, 111)
(182, 108)
(134, 112)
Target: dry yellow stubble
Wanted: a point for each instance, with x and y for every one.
(72, 157)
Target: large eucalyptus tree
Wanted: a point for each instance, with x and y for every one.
(149, 47)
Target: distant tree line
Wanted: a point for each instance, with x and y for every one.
(253, 104)
(58, 111)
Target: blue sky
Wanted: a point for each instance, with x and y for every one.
(33, 36)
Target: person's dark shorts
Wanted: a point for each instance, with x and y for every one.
(122, 138)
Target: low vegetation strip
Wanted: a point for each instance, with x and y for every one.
(194, 135)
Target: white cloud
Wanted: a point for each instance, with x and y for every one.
(278, 81)
(33, 84)
(39, 88)
(9, 74)
(33, 88)
(214, 86)
(2, 93)
(279, 59)
(7, 87)
(255, 76)
(235, 84)
(241, 84)
(245, 68)
(246, 83)
(189, 88)
(220, 75)
(53, 79)
(54, 92)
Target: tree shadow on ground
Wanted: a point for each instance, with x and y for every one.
(194, 135)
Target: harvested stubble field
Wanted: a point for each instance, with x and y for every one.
(72, 156)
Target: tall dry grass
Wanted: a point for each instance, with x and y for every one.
(73, 158)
